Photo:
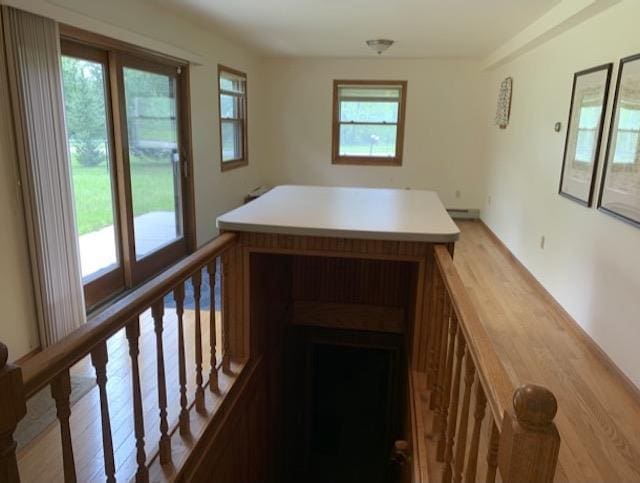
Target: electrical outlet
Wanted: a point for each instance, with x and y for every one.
(489, 199)
(542, 242)
(458, 194)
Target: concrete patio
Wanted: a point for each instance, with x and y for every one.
(152, 230)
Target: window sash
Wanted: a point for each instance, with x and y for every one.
(238, 139)
(238, 121)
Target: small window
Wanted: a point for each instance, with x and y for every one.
(368, 122)
(233, 118)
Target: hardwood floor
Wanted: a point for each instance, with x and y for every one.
(598, 417)
(41, 460)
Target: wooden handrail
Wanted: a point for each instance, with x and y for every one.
(43, 367)
(499, 388)
(524, 441)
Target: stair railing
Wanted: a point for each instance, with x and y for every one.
(462, 366)
(52, 366)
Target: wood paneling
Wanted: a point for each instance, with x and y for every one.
(243, 441)
(233, 446)
(416, 297)
(352, 281)
(349, 316)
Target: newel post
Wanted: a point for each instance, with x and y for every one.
(12, 409)
(529, 440)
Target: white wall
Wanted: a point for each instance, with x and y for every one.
(591, 261)
(216, 192)
(442, 135)
(18, 328)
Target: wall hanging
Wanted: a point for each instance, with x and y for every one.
(584, 133)
(620, 190)
(504, 103)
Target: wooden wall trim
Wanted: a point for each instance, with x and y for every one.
(571, 323)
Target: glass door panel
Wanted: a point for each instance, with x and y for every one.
(88, 140)
(154, 159)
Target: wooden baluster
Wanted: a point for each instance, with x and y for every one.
(444, 415)
(529, 440)
(196, 281)
(492, 453)
(12, 410)
(164, 446)
(447, 475)
(183, 418)
(60, 391)
(99, 359)
(435, 328)
(437, 396)
(440, 333)
(213, 373)
(226, 312)
(472, 462)
(133, 336)
(461, 443)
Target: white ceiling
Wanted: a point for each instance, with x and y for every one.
(339, 28)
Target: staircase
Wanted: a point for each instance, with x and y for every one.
(459, 415)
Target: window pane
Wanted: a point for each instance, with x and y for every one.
(230, 82)
(388, 93)
(87, 140)
(367, 140)
(232, 146)
(154, 159)
(368, 111)
(230, 106)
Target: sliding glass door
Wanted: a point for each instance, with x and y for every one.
(125, 134)
(93, 171)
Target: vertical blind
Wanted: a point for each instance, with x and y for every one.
(32, 47)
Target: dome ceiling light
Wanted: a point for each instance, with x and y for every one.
(380, 45)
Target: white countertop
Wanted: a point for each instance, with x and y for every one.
(362, 213)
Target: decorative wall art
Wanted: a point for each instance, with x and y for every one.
(620, 190)
(584, 133)
(504, 103)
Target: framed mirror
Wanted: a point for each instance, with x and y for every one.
(584, 133)
(620, 190)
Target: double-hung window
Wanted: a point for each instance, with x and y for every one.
(232, 86)
(368, 122)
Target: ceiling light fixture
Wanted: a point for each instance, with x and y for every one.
(380, 45)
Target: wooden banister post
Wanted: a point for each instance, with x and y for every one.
(12, 409)
(529, 440)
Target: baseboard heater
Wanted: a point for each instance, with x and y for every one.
(464, 213)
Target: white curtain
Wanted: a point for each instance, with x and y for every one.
(32, 47)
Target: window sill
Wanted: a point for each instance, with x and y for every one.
(367, 161)
(229, 165)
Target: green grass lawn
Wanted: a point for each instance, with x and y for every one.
(152, 187)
